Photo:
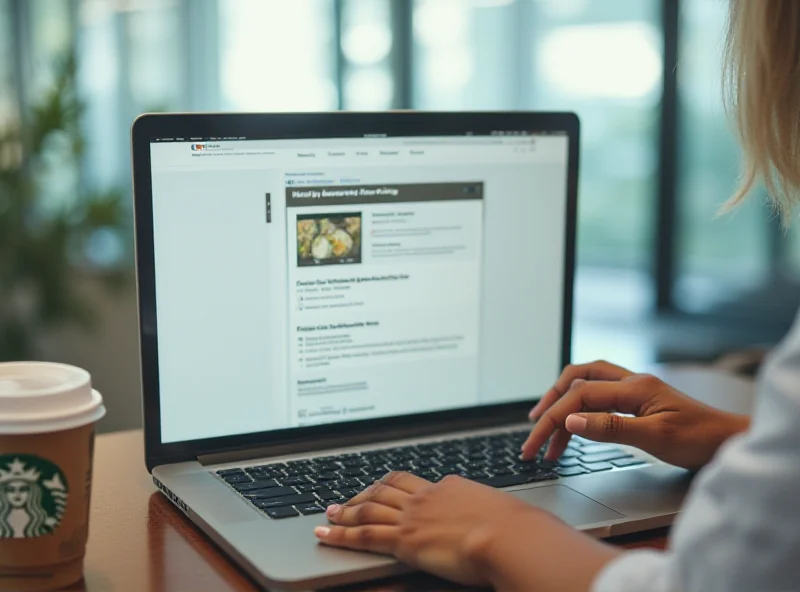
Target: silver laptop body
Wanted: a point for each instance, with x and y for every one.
(320, 285)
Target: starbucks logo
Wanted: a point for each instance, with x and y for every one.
(33, 496)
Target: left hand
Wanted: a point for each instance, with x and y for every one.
(467, 533)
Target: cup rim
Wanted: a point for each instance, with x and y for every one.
(81, 377)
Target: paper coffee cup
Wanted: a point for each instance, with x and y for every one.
(47, 418)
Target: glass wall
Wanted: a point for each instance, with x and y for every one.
(277, 56)
(720, 258)
(603, 59)
(8, 90)
(367, 48)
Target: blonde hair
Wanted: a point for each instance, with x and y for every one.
(762, 92)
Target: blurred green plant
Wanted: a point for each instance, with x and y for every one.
(47, 227)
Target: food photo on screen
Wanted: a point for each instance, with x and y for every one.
(328, 239)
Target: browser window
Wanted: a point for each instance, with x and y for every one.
(301, 282)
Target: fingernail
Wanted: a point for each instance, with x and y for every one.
(575, 423)
(333, 509)
(532, 413)
(322, 531)
(577, 382)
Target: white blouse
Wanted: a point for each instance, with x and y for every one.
(739, 530)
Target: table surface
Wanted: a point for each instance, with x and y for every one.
(138, 541)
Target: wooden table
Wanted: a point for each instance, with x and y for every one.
(139, 542)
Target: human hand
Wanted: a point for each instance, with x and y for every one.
(667, 424)
(467, 533)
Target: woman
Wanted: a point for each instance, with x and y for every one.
(740, 527)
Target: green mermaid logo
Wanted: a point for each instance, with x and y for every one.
(33, 496)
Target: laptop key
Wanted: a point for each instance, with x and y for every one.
(426, 463)
(568, 462)
(600, 466)
(231, 479)
(628, 462)
(287, 500)
(308, 509)
(325, 468)
(348, 493)
(597, 448)
(572, 471)
(604, 456)
(269, 493)
(350, 463)
(401, 466)
(327, 495)
(351, 472)
(283, 512)
(273, 466)
(227, 472)
(264, 477)
(348, 483)
(242, 487)
(289, 481)
(505, 480)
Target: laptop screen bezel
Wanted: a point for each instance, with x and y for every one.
(147, 128)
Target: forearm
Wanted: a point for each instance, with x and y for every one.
(539, 552)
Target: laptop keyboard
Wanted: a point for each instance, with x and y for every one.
(305, 487)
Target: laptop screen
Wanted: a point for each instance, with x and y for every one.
(302, 282)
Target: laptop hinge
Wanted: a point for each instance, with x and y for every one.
(326, 443)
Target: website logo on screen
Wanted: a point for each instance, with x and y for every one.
(198, 146)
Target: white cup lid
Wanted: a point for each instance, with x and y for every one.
(40, 397)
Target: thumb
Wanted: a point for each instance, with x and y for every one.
(609, 427)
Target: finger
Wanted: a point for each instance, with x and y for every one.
(381, 493)
(594, 371)
(375, 538)
(610, 427)
(544, 429)
(544, 403)
(362, 514)
(405, 481)
(558, 443)
(622, 396)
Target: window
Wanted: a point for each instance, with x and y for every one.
(604, 61)
(367, 47)
(720, 258)
(601, 60)
(611, 61)
(277, 56)
(8, 103)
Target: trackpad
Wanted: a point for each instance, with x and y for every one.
(572, 507)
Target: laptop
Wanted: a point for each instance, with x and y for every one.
(324, 298)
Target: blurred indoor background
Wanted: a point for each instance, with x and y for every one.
(660, 277)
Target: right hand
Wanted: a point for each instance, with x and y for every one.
(667, 424)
